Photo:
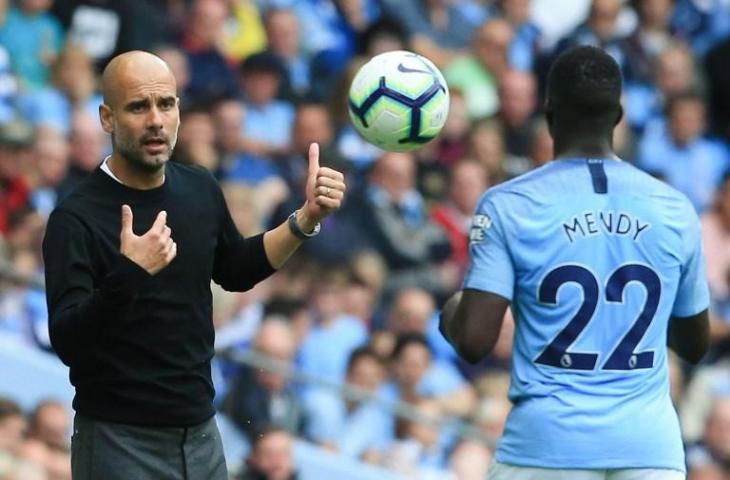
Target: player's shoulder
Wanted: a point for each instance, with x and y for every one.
(525, 185)
(661, 193)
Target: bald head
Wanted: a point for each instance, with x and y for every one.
(141, 111)
(133, 68)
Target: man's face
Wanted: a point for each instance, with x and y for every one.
(366, 373)
(273, 456)
(687, 121)
(144, 118)
(12, 429)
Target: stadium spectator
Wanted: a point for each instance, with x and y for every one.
(50, 423)
(211, 77)
(8, 87)
(33, 38)
(438, 29)
(415, 374)
(701, 24)
(651, 37)
(49, 167)
(330, 31)
(176, 58)
(88, 143)
(689, 162)
(13, 425)
(468, 181)
(325, 349)
(418, 449)
(477, 74)
(673, 73)
(707, 382)
(355, 428)
(282, 33)
(105, 28)
(599, 30)
(16, 139)
(268, 121)
(517, 108)
(487, 147)
(525, 47)
(399, 228)
(73, 87)
(244, 33)
(196, 140)
(271, 456)
(715, 449)
(469, 460)
(259, 397)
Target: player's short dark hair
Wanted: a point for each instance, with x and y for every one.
(584, 88)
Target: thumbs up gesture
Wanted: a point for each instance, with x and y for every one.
(324, 192)
(152, 251)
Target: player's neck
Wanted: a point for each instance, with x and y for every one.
(575, 147)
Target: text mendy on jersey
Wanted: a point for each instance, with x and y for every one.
(607, 223)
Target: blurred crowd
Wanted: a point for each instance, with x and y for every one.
(259, 80)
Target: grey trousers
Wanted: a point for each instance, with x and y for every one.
(112, 451)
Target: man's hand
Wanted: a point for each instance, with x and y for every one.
(152, 251)
(324, 192)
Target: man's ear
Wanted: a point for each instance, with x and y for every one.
(619, 116)
(105, 116)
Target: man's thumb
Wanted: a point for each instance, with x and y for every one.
(313, 159)
(127, 218)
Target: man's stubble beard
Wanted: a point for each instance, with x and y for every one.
(132, 150)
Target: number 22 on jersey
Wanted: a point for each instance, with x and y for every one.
(623, 356)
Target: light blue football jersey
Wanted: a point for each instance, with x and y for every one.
(595, 256)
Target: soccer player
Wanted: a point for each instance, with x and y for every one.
(603, 267)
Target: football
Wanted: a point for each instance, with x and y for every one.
(398, 101)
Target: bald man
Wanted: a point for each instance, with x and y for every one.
(129, 257)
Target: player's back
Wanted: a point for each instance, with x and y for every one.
(598, 252)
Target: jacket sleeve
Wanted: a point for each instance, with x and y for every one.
(240, 263)
(82, 302)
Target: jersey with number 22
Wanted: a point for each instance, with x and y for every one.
(594, 256)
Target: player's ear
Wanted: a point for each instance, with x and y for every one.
(105, 116)
(619, 116)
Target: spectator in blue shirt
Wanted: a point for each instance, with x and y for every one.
(599, 30)
(212, 78)
(73, 87)
(355, 429)
(33, 37)
(691, 163)
(702, 22)
(673, 73)
(417, 375)
(525, 45)
(329, 343)
(268, 121)
(282, 34)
